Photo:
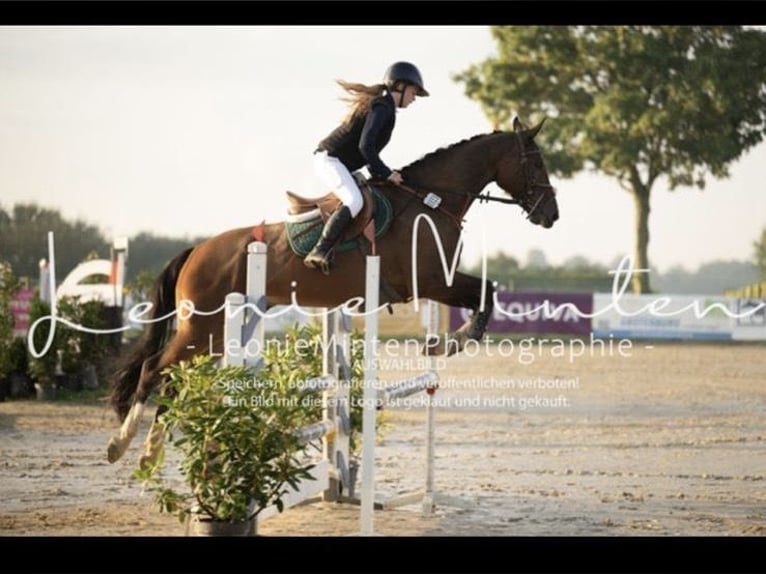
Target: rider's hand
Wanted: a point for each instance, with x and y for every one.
(395, 178)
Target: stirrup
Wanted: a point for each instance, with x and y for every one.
(317, 261)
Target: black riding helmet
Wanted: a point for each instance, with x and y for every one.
(404, 72)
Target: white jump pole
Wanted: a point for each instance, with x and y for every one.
(432, 328)
(233, 351)
(257, 258)
(336, 444)
(370, 395)
(427, 382)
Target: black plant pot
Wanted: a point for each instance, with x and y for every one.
(90, 377)
(206, 526)
(21, 385)
(45, 391)
(71, 382)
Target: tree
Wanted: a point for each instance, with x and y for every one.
(24, 239)
(635, 103)
(8, 286)
(760, 254)
(150, 253)
(536, 259)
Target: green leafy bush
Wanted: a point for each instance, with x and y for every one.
(287, 361)
(234, 429)
(43, 369)
(82, 348)
(8, 285)
(234, 433)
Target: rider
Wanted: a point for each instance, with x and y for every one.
(357, 142)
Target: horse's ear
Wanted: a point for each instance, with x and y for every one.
(533, 131)
(517, 125)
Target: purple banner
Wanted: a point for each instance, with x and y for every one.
(520, 312)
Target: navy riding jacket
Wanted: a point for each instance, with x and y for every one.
(359, 142)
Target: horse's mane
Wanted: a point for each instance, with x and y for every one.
(439, 151)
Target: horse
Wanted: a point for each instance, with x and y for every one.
(206, 273)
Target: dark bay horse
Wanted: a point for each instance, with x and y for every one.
(206, 273)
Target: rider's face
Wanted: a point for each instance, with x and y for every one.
(408, 95)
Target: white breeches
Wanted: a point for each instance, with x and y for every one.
(336, 176)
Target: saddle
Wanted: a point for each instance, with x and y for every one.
(302, 209)
(306, 218)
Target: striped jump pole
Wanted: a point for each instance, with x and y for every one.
(244, 330)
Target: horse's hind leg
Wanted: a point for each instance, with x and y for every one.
(182, 348)
(120, 442)
(154, 443)
(179, 348)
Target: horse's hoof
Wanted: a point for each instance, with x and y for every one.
(454, 349)
(114, 450)
(433, 346)
(146, 461)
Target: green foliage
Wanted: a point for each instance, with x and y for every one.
(234, 428)
(713, 277)
(576, 275)
(18, 356)
(149, 253)
(140, 287)
(43, 369)
(635, 103)
(679, 101)
(24, 239)
(234, 432)
(298, 357)
(8, 286)
(760, 254)
(80, 347)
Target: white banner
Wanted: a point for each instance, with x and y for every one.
(750, 323)
(664, 316)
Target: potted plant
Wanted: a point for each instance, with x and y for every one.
(21, 384)
(46, 370)
(234, 433)
(83, 351)
(8, 285)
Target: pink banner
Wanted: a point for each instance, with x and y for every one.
(20, 305)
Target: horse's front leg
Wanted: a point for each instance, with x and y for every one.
(466, 291)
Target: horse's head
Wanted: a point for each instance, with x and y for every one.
(521, 173)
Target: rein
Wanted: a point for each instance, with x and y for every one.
(458, 220)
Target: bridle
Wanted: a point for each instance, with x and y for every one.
(528, 201)
(532, 185)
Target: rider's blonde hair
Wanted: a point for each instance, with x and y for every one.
(360, 97)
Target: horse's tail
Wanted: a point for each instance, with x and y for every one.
(156, 335)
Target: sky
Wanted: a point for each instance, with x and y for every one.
(187, 131)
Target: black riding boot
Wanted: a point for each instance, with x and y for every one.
(321, 255)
